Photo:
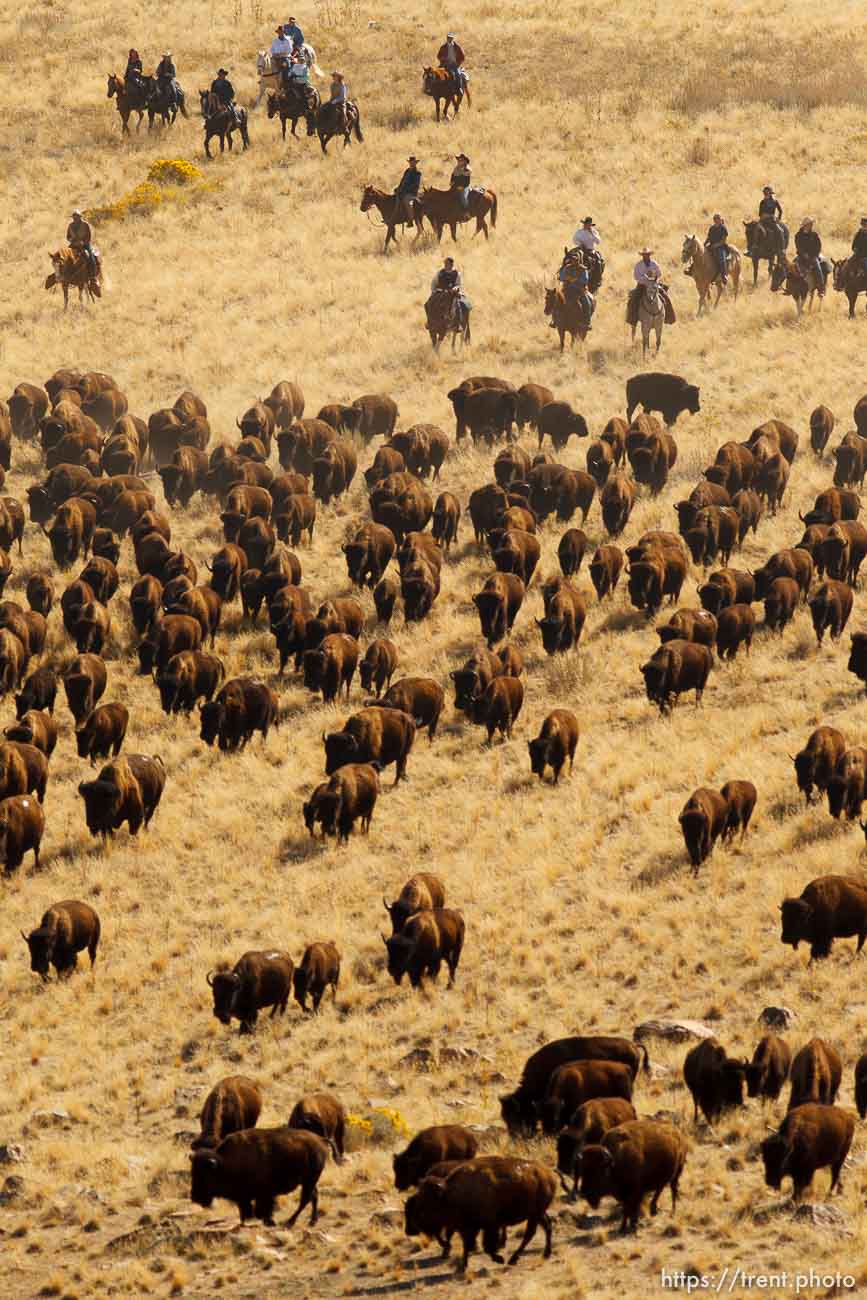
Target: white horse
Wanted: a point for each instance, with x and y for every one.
(651, 316)
(269, 77)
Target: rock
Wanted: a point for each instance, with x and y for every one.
(389, 1216)
(822, 1215)
(184, 1136)
(777, 1017)
(419, 1058)
(188, 1051)
(673, 1031)
(12, 1189)
(11, 1153)
(56, 1118)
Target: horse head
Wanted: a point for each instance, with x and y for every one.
(690, 248)
(551, 299)
(113, 85)
(779, 274)
(262, 62)
(273, 104)
(367, 197)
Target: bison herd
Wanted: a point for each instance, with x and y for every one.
(96, 500)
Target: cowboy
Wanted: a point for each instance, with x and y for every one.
(340, 97)
(448, 280)
(808, 247)
(132, 78)
(646, 272)
(296, 76)
(78, 237)
(293, 32)
(222, 88)
(281, 50)
(575, 280)
(587, 237)
(408, 188)
(451, 57)
(166, 74)
(859, 245)
(460, 179)
(770, 215)
(715, 242)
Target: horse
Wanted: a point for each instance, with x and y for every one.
(160, 103)
(762, 245)
(704, 269)
(441, 85)
(269, 75)
(568, 317)
(444, 208)
(125, 104)
(850, 278)
(219, 121)
(447, 314)
(651, 316)
(326, 122)
(74, 270)
(291, 107)
(799, 285)
(393, 213)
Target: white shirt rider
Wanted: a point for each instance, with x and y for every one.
(647, 271)
(281, 48)
(587, 237)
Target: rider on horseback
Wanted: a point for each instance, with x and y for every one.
(647, 271)
(859, 246)
(808, 247)
(166, 75)
(717, 236)
(224, 91)
(451, 57)
(340, 98)
(296, 78)
(293, 32)
(575, 280)
(281, 50)
(132, 78)
(448, 280)
(588, 239)
(407, 189)
(460, 179)
(78, 237)
(770, 215)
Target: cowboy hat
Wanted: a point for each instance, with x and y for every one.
(767, 189)
(461, 157)
(808, 221)
(450, 36)
(647, 252)
(76, 212)
(412, 158)
(222, 72)
(587, 221)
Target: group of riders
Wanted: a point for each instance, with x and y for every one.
(289, 59)
(137, 87)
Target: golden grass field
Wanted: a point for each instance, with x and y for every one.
(581, 912)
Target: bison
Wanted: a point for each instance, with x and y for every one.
(829, 908)
(318, 970)
(103, 731)
(255, 1166)
(557, 741)
(426, 941)
(676, 667)
(324, 1115)
(428, 1148)
(65, 930)
(574, 1083)
(768, 1071)
(348, 797)
(421, 893)
(816, 763)
(715, 1080)
(811, 1137)
(591, 1121)
(633, 1159)
(519, 1108)
(242, 707)
(231, 1105)
(127, 790)
(257, 980)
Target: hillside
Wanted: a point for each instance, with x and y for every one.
(582, 913)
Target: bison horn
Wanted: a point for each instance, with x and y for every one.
(387, 906)
(863, 826)
(210, 978)
(208, 567)
(238, 422)
(383, 938)
(24, 937)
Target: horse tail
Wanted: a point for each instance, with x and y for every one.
(467, 94)
(359, 137)
(182, 105)
(493, 209)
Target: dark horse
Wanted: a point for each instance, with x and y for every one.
(850, 278)
(163, 103)
(447, 313)
(799, 284)
(292, 105)
(392, 211)
(568, 317)
(442, 86)
(326, 122)
(763, 246)
(444, 208)
(219, 121)
(126, 104)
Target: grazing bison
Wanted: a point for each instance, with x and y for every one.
(810, 1137)
(487, 1195)
(84, 683)
(591, 1121)
(702, 822)
(231, 1105)
(830, 607)
(102, 732)
(421, 893)
(740, 796)
(242, 707)
(426, 941)
(373, 735)
(430, 1147)
(188, 677)
(574, 1083)
(633, 1159)
(498, 604)
(348, 797)
(498, 708)
(768, 1071)
(318, 970)
(324, 1115)
(378, 666)
(331, 666)
(829, 908)
(668, 394)
(126, 790)
(816, 763)
(715, 1080)
(816, 1075)
(255, 1166)
(519, 1108)
(65, 930)
(256, 981)
(557, 741)
(676, 667)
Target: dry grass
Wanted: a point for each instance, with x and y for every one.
(580, 908)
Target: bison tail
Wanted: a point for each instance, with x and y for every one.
(646, 1066)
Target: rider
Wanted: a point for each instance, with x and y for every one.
(770, 215)
(293, 32)
(587, 237)
(78, 237)
(808, 247)
(224, 91)
(715, 242)
(408, 188)
(451, 57)
(859, 246)
(575, 281)
(647, 271)
(281, 50)
(296, 75)
(448, 280)
(340, 96)
(166, 75)
(460, 179)
(132, 78)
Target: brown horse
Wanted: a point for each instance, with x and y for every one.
(849, 278)
(73, 270)
(799, 284)
(125, 105)
(327, 121)
(444, 208)
(703, 266)
(219, 121)
(292, 107)
(392, 211)
(442, 86)
(568, 317)
(446, 314)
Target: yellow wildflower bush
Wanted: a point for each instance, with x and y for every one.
(174, 171)
(169, 180)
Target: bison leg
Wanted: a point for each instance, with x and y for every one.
(468, 1237)
(529, 1234)
(245, 1209)
(309, 1196)
(265, 1210)
(490, 1243)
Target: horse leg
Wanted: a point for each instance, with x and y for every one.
(755, 262)
(658, 337)
(323, 140)
(562, 334)
(389, 236)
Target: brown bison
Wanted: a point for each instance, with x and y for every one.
(65, 930)
(426, 941)
(22, 825)
(616, 501)
(428, 1148)
(821, 428)
(497, 709)
(768, 1071)
(519, 1108)
(373, 735)
(656, 391)
(378, 666)
(318, 970)
(231, 1105)
(565, 614)
(331, 666)
(557, 741)
(348, 797)
(676, 667)
(740, 796)
(605, 570)
(498, 604)
(830, 607)
(816, 1074)
(715, 1080)
(591, 1121)
(188, 677)
(421, 893)
(829, 908)
(574, 1083)
(816, 763)
(633, 1159)
(242, 707)
(37, 728)
(810, 1137)
(84, 683)
(257, 980)
(103, 731)
(847, 788)
(689, 625)
(702, 822)
(38, 692)
(324, 1115)
(421, 697)
(127, 790)
(255, 1166)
